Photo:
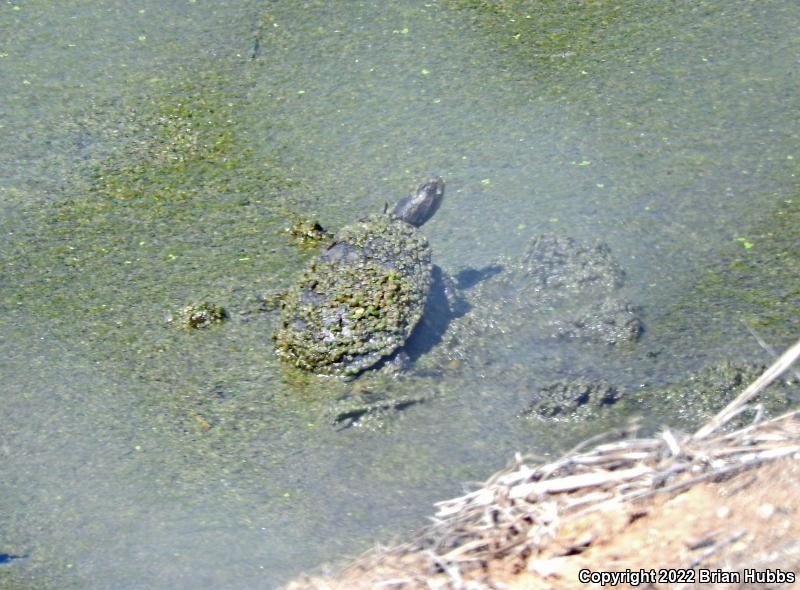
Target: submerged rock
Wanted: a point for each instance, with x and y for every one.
(699, 396)
(309, 231)
(371, 409)
(202, 315)
(558, 288)
(572, 400)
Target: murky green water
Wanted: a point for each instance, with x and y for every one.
(153, 153)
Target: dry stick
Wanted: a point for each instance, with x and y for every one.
(394, 582)
(756, 430)
(767, 377)
(576, 482)
(764, 345)
(716, 548)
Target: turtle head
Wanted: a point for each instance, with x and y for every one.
(419, 207)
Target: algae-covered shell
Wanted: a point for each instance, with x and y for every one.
(359, 300)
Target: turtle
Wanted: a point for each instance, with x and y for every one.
(358, 301)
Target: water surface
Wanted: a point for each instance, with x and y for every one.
(153, 154)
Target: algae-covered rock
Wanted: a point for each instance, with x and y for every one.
(694, 400)
(308, 231)
(558, 288)
(572, 400)
(202, 315)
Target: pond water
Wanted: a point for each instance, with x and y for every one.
(153, 153)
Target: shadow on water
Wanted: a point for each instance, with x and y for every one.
(469, 277)
(8, 557)
(445, 303)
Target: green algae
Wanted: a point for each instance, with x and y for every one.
(742, 292)
(564, 37)
(185, 206)
(761, 282)
(309, 232)
(693, 400)
(548, 25)
(202, 315)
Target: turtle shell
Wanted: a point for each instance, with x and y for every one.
(359, 300)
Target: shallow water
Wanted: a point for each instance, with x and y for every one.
(152, 155)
